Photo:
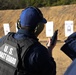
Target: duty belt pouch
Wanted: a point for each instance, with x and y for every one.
(8, 58)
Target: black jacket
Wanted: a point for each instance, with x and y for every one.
(37, 60)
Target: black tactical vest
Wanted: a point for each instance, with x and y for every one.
(11, 54)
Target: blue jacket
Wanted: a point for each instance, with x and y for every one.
(37, 60)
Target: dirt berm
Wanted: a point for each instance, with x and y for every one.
(57, 14)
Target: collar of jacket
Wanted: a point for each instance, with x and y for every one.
(21, 34)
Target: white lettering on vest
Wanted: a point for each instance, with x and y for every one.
(7, 58)
(2, 55)
(11, 59)
(11, 50)
(6, 49)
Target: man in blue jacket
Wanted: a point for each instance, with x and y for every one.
(38, 59)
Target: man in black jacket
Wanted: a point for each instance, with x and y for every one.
(38, 59)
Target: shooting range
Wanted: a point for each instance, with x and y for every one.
(49, 29)
(56, 17)
(68, 28)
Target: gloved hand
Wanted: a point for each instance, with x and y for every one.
(50, 46)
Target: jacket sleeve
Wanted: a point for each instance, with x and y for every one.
(40, 61)
(47, 63)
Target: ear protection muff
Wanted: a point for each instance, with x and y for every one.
(38, 29)
(18, 24)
